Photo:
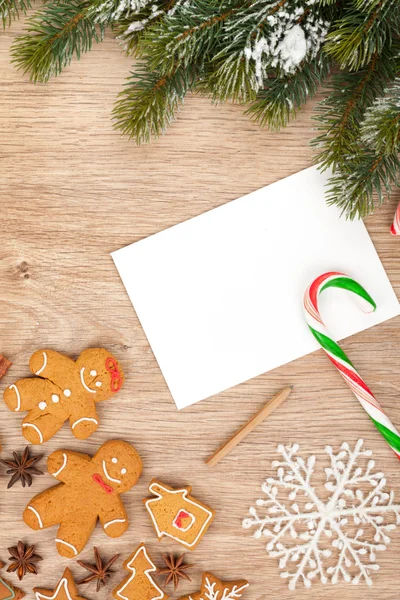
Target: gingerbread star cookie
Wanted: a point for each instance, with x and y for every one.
(139, 584)
(9, 592)
(65, 590)
(62, 390)
(213, 588)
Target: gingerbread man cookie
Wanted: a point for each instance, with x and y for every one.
(64, 389)
(90, 490)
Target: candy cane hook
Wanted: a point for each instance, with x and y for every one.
(395, 228)
(339, 358)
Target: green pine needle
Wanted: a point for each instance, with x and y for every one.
(186, 38)
(11, 9)
(56, 33)
(380, 129)
(150, 101)
(233, 80)
(363, 183)
(339, 116)
(361, 33)
(283, 97)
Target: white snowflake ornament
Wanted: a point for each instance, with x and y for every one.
(332, 539)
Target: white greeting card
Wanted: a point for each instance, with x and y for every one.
(220, 296)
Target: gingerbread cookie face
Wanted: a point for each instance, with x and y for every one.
(118, 465)
(139, 585)
(63, 390)
(213, 588)
(177, 514)
(65, 590)
(90, 491)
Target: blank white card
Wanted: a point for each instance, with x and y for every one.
(220, 296)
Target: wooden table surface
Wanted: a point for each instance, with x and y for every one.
(72, 191)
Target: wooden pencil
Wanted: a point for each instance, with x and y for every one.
(237, 437)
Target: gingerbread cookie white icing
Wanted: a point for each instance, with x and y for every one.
(9, 592)
(64, 590)
(213, 588)
(64, 389)
(177, 514)
(90, 491)
(139, 585)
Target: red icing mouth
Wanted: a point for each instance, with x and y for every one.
(116, 378)
(107, 488)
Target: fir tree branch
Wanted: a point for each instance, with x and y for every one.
(11, 9)
(233, 80)
(61, 30)
(362, 33)
(380, 129)
(357, 183)
(283, 97)
(339, 116)
(187, 36)
(150, 101)
(130, 26)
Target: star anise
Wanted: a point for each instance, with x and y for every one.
(100, 572)
(22, 468)
(23, 559)
(174, 569)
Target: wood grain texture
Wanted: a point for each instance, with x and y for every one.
(72, 191)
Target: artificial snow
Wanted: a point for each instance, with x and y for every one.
(285, 45)
(293, 48)
(326, 540)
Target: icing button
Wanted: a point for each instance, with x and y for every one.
(67, 393)
(42, 405)
(98, 384)
(123, 471)
(55, 398)
(93, 373)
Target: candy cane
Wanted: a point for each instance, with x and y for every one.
(395, 228)
(339, 358)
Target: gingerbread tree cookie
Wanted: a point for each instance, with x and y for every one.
(90, 490)
(213, 588)
(64, 389)
(139, 585)
(65, 590)
(177, 514)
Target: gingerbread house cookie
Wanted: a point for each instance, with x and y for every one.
(177, 514)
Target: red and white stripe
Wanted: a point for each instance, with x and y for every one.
(395, 228)
(346, 369)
